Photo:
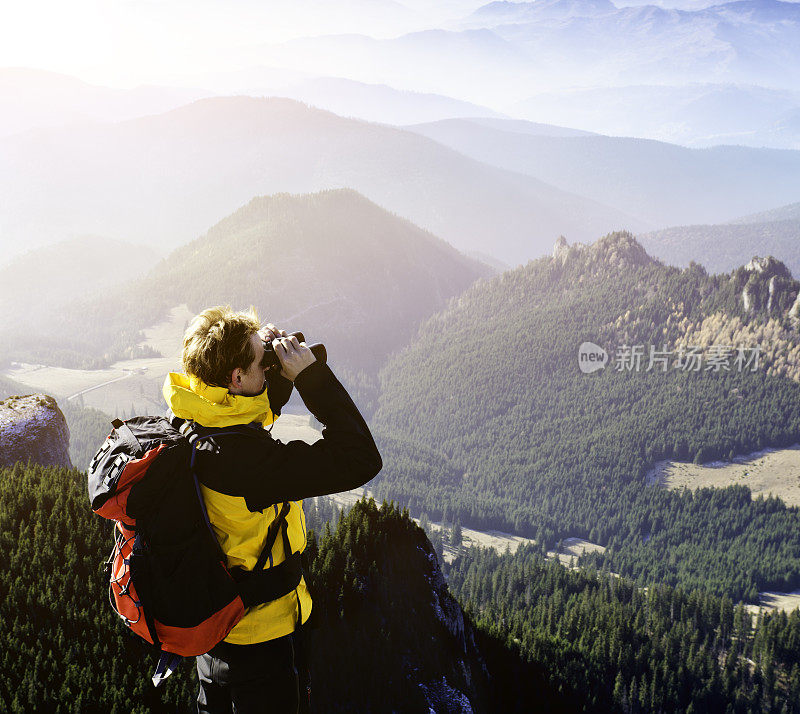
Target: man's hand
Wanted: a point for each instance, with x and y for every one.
(269, 332)
(294, 356)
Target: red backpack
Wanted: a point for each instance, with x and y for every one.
(169, 580)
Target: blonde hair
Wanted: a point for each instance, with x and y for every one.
(217, 341)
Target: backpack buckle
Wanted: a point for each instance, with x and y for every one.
(117, 467)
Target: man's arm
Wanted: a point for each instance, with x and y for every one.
(265, 471)
(346, 456)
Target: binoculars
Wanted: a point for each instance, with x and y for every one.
(271, 361)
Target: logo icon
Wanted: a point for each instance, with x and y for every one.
(591, 357)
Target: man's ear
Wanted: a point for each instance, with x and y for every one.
(236, 379)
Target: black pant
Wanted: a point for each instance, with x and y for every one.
(269, 676)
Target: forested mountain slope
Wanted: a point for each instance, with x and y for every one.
(631, 650)
(533, 636)
(488, 415)
(389, 636)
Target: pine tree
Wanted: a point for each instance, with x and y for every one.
(455, 535)
(424, 523)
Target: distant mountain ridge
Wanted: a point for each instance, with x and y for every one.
(34, 99)
(695, 114)
(723, 247)
(563, 43)
(377, 102)
(522, 126)
(783, 213)
(508, 12)
(168, 177)
(659, 183)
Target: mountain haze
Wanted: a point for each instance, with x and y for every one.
(165, 178)
(695, 114)
(36, 284)
(34, 99)
(722, 247)
(376, 102)
(333, 264)
(661, 184)
(782, 213)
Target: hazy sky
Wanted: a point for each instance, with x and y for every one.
(125, 42)
(122, 41)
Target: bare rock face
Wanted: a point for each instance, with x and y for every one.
(32, 428)
(466, 658)
(767, 288)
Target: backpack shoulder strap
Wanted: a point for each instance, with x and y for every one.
(200, 436)
(199, 440)
(272, 534)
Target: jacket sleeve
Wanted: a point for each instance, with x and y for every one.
(346, 456)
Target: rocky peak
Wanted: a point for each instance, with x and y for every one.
(794, 311)
(621, 250)
(32, 428)
(615, 250)
(767, 267)
(562, 250)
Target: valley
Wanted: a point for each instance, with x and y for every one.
(125, 385)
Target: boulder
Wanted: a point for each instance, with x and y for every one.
(32, 428)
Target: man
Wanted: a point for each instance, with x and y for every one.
(248, 479)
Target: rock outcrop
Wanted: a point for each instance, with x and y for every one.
(766, 287)
(562, 250)
(32, 428)
(615, 250)
(440, 695)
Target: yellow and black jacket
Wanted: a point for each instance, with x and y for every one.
(251, 474)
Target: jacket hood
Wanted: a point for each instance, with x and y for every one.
(190, 398)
